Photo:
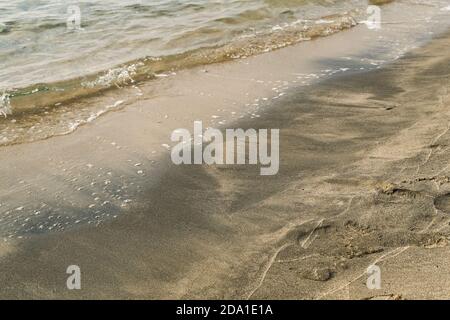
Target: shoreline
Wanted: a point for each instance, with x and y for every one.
(348, 143)
(46, 110)
(39, 97)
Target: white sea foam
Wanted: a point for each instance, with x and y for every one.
(5, 105)
(117, 76)
(75, 125)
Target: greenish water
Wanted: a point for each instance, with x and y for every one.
(40, 41)
(53, 52)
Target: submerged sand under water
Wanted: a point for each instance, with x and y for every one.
(51, 103)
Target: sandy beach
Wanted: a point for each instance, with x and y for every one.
(363, 180)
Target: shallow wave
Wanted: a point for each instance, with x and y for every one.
(243, 45)
(188, 46)
(53, 104)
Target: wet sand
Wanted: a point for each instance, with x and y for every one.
(380, 194)
(363, 179)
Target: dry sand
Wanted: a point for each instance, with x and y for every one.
(363, 179)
